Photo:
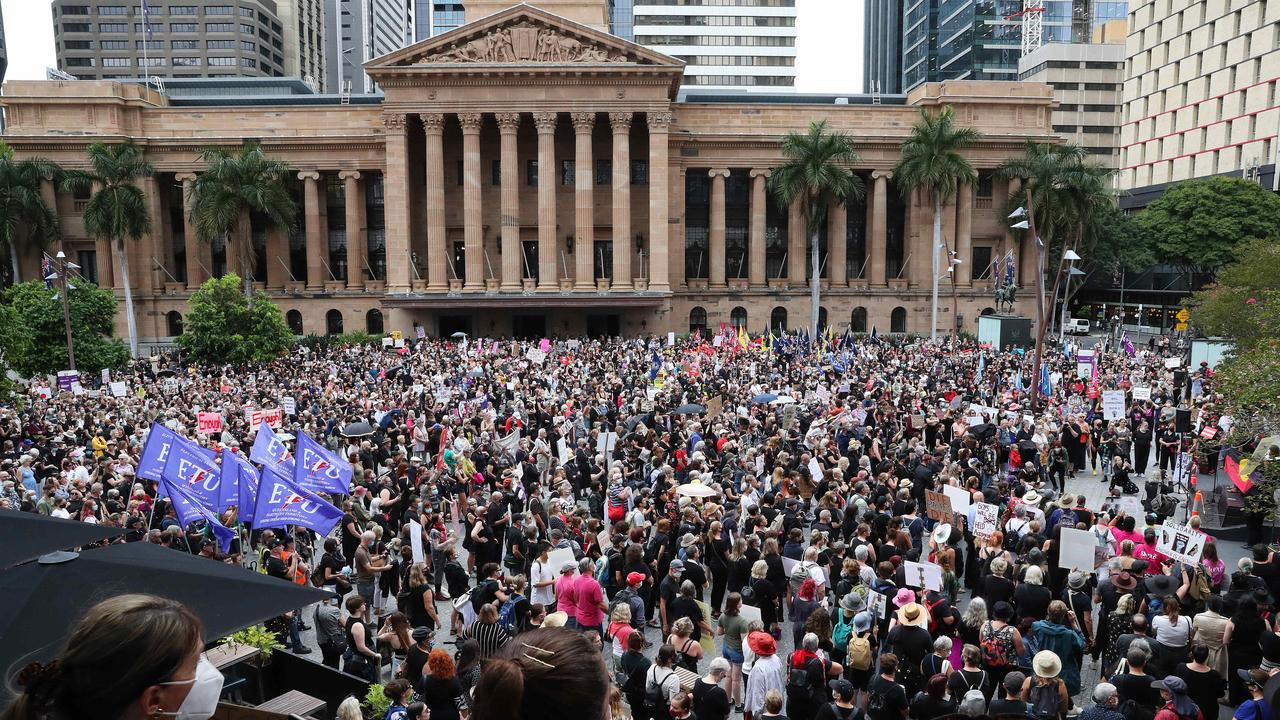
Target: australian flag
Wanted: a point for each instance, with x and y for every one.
(1008, 268)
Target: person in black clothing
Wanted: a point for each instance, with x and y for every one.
(933, 702)
(1031, 597)
(710, 701)
(360, 659)
(887, 699)
(416, 659)
(843, 708)
(1011, 703)
(1135, 683)
(631, 670)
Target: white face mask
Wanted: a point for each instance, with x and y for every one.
(206, 688)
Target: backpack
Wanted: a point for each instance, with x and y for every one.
(1044, 700)
(603, 576)
(994, 650)
(653, 696)
(1012, 537)
(623, 598)
(841, 633)
(798, 681)
(859, 655)
(800, 574)
(507, 614)
(1200, 586)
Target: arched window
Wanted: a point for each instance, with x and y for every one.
(373, 322)
(778, 319)
(333, 322)
(294, 320)
(174, 319)
(697, 319)
(858, 320)
(898, 320)
(988, 311)
(822, 318)
(738, 317)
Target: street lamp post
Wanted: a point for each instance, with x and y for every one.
(60, 271)
(1071, 257)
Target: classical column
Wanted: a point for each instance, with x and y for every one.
(716, 264)
(547, 260)
(277, 253)
(396, 203)
(509, 166)
(473, 219)
(677, 262)
(659, 259)
(356, 251)
(147, 256)
(197, 252)
(620, 122)
(437, 252)
(877, 242)
(316, 272)
(964, 235)
(797, 240)
(584, 205)
(759, 220)
(837, 244)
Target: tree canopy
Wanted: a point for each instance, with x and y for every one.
(1199, 223)
(42, 344)
(226, 326)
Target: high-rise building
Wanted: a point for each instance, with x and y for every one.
(105, 39)
(882, 47)
(367, 29)
(1199, 94)
(1087, 81)
(4, 50)
(743, 45)
(964, 40)
(592, 13)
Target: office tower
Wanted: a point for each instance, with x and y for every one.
(4, 50)
(104, 39)
(304, 40)
(1199, 94)
(747, 44)
(882, 47)
(1087, 80)
(592, 13)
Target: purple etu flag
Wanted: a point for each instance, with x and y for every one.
(195, 470)
(155, 453)
(1127, 344)
(190, 510)
(235, 471)
(269, 450)
(282, 502)
(319, 469)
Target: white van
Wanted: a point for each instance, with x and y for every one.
(1077, 326)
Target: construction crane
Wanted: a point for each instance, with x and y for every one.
(1032, 14)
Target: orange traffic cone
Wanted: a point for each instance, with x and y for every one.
(1195, 505)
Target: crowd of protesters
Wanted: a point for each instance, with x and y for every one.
(726, 521)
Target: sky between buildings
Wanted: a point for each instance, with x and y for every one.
(829, 43)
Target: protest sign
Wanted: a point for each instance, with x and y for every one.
(66, 378)
(106, 376)
(1113, 405)
(986, 519)
(815, 470)
(671, 339)
(1180, 543)
(938, 506)
(959, 498)
(877, 604)
(715, 406)
(118, 389)
(1131, 506)
(415, 541)
(562, 451)
(208, 423)
(558, 557)
(749, 613)
(606, 442)
(254, 417)
(1142, 392)
(1076, 552)
(789, 565)
(289, 405)
(923, 575)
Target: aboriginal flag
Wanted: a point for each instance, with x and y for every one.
(1238, 468)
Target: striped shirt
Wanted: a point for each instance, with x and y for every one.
(490, 636)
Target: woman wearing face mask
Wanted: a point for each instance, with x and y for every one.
(132, 657)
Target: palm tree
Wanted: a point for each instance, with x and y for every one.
(816, 175)
(931, 162)
(234, 185)
(23, 210)
(117, 211)
(1056, 181)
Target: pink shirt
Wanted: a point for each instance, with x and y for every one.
(565, 597)
(588, 595)
(1121, 536)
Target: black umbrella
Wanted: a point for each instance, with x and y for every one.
(43, 600)
(356, 429)
(26, 536)
(690, 409)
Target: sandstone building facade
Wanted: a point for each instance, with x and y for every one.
(527, 175)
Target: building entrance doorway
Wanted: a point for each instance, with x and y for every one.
(529, 327)
(602, 325)
(450, 324)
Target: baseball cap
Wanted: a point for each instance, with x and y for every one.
(635, 578)
(842, 687)
(677, 564)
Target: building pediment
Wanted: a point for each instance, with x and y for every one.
(519, 36)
